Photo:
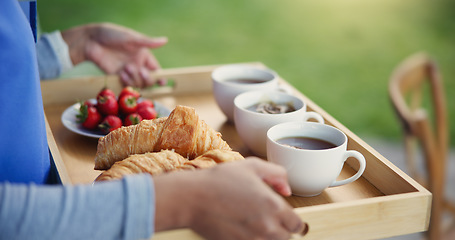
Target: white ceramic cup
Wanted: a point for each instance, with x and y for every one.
(312, 171)
(252, 126)
(226, 88)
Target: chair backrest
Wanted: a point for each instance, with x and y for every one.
(406, 92)
(408, 82)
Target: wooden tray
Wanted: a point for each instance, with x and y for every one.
(384, 202)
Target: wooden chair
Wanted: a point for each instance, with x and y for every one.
(415, 76)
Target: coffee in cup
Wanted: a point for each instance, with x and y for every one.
(256, 111)
(313, 155)
(230, 80)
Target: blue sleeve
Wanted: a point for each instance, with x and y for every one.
(121, 209)
(53, 55)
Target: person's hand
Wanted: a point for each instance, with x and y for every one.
(115, 50)
(230, 201)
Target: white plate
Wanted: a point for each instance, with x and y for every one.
(69, 119)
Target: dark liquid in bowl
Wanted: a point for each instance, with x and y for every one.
(246, 80)
(306, 143)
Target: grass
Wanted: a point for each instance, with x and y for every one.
(338, 53)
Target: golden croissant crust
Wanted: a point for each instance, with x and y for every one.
(182, 132)
(166, 161)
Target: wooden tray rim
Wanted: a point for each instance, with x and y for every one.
(182, 88)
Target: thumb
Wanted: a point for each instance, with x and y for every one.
(273, 175)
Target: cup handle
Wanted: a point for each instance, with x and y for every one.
(313, 115)
(361, 159)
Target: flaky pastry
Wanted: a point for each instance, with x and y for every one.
(182, 132)
(166, 161)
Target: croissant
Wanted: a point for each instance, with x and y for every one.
(182, 132)
(166, 161)
(210, 159)
(153, 163)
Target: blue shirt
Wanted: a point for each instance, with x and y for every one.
(28, 209)
(29, 9)
(24, 154)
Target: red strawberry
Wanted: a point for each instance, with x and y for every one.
(110, 123)
(147, 112)
(107, 105)
(130, 91)
(132, 119)
(145, 103)
(89, 117)
(106, 92)
(127, 104)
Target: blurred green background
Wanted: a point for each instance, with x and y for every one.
(339, 53)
